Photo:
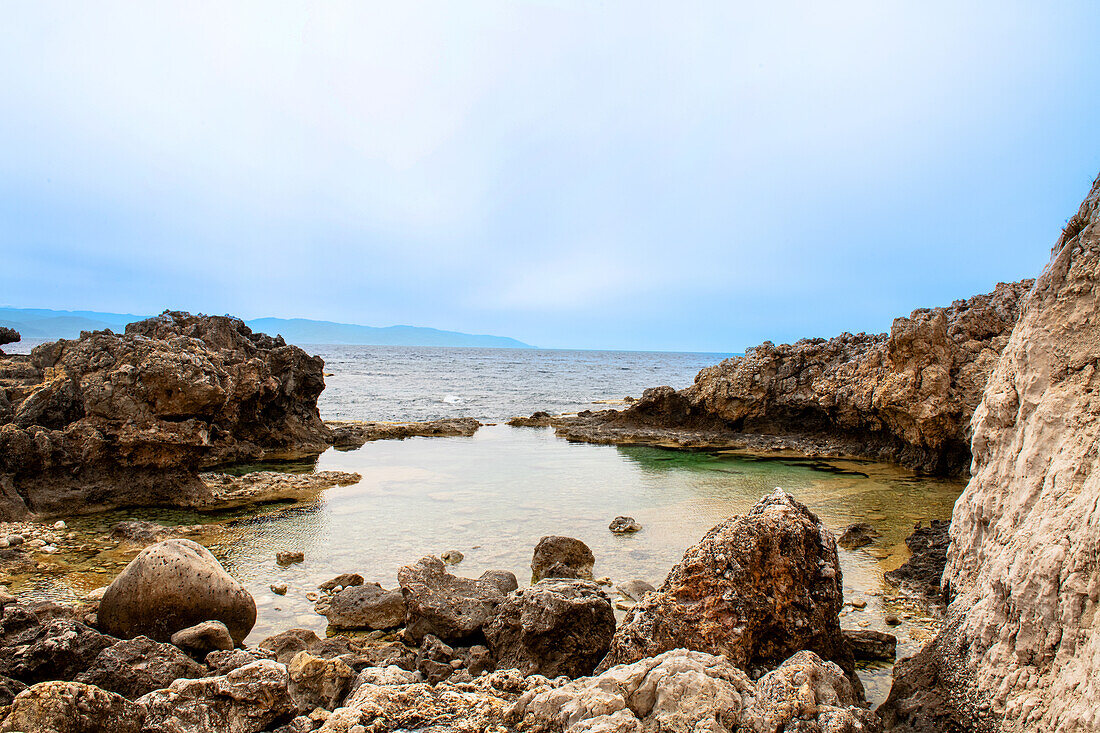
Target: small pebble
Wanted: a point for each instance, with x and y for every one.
(59, 524)
(49, 549)
(452, 557)
(311, 596)
(288, 558)
(892, 620)
(603, 581)
(14, 540)
(858, 603)
(279, 590)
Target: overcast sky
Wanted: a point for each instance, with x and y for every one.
(673, 176)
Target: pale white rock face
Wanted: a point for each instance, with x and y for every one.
(1024, 563)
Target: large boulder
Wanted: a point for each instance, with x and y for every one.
(139, 665)
(72, 707)
(758, 588)
(555, 627)
(247, 700)
(58, 649)
(561, 557)
(367, 606)
(448, 606)
(1020, 645)
(170, 586)
(112, 420)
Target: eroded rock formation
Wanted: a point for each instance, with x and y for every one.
(906, 396)
(114, 420)
(1020, 649)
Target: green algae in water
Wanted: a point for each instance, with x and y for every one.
(492, 496)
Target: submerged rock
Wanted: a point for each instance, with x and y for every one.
(555, 627)
(624, 525)
(870, 645)
(857, 535)
(447, 606)
(561, 557)
(72, 707)
(758, 588)
(173, 585)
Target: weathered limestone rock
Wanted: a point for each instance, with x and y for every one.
(447, 606)
(58, 649)
(247, 700)
(906, 396)
(227, 490)
(808, 694)
(112, 420)
(1020, 647)
(317, 682)
(368, 606)
(224, 661)
(555, 627)
(201, 639)
(561, 557)
(139, 665)
(758, 588)
(352, 434)
(72, 707)
(173, 585)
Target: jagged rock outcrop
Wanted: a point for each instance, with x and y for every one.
(448, 606)
(1020, 647)
(352, 434)
(906, 396)
(8, 336)
(138, 666)
(72, 707)
(758, 588)
(111, 420)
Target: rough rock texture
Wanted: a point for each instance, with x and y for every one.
(447, 606)
(269, 486)
(871, 645)
(319, 683)
(1020, 649)
(72, 707)
(247, 700)
(8, 336)
(354, 434)
(561, 557)
(112, 420)
(203, 638)
(33, 650)
(906, 396)
(140, 665)
(922, 571)
(683, 691)
(368, 606)
(173, 585)
(554, 627)
(757, 588)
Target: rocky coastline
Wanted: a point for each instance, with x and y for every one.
(906, 396)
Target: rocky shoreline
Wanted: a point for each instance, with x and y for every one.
(160, 648)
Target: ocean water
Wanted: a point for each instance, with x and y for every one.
(426, 383)
(493, 495)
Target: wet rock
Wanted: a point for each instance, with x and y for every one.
(368, 606)
(289, 557)
(922, 572)
(758, 588)
(247, 700)
(857, 535)
(317, 682)
(140, 665)
(869, 645)
(555, 627)
(173, 585)
(635, 589)
(561, 557)
(351, 435)
(344, 580)
(624, 525)
(71, 707)
(58, 649)
(201, 639)
(444, 605)
(452, 557)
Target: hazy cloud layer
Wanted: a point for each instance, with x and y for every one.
(591, 174)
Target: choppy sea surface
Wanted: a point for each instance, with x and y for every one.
(493, 495)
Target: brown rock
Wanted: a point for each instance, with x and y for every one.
(140, 665)
(368, 606)
(758, 588)
(444, 605)
(561, 557)
(72, 707)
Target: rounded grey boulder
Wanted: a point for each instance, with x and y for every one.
(173, 585)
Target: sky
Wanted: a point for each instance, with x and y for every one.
(689, 176)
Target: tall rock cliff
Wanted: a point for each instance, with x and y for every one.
(1020, 649)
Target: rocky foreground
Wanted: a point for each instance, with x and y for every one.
(906, 396)
(744, 635)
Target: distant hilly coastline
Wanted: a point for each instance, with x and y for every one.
(43, 323)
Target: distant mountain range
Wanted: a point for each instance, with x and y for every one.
(51, 324)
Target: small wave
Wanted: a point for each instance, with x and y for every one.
(451, 399)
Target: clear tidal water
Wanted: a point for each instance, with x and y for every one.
(493, 495)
